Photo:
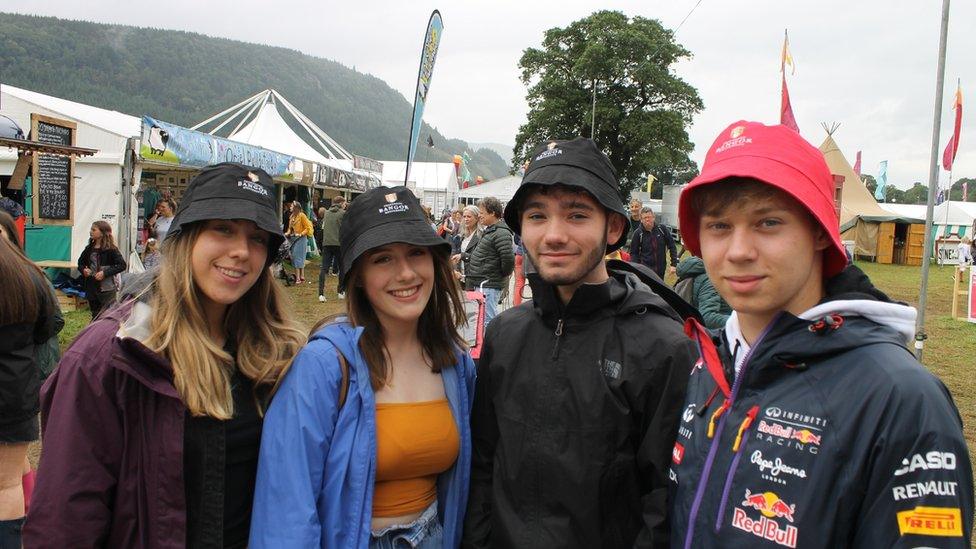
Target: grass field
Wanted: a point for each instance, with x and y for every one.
(950, 352)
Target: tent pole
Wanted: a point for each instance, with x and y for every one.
(257, 104)
(920, 334)
(222, 113)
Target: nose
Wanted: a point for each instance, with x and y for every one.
(240, 246)
(405, 270)
(741, 246)
(555, 233)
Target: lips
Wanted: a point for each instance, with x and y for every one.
(744, 284)
(231, 273)
(405, 293)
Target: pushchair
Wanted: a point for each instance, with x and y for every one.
(278, 267)
(473, 330)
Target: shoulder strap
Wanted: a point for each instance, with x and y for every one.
(344, 384)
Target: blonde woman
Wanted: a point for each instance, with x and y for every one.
(153, 419)
(299, 228)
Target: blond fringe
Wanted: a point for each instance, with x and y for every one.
(267, 337)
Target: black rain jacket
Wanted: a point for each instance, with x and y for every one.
(832, 435)
(575, 413)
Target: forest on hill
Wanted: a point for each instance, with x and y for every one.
(184, 77)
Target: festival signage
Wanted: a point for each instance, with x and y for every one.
(341, 179)
(54, 189)
(368, 164)
(432, 40)
(171, 144)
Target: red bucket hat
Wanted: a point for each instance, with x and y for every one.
(777, 156)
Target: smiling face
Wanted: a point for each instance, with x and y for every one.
(227, 259)
(397, 280)
(764, 256)
(565, 234)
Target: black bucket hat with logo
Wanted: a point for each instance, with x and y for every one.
(575, 163)
(382, 216)
(231, 191)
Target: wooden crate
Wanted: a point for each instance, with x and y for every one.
(70, 302)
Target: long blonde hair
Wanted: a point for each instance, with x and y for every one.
(259, 323)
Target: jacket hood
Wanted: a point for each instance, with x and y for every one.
(622, 293)
(690, 267)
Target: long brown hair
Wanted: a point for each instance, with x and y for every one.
(437, 330)
(259, 323)
(19, 301)
(106, 241)
(10, 228)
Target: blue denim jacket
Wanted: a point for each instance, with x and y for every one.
(318, 463)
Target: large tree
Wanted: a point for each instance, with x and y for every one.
(643, 108)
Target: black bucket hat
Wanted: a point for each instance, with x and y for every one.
(382, 216)
(575, 163)
(231, 191)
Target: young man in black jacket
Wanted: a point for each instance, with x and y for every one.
(810, 424)
(579, 391)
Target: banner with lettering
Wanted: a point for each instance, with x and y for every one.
(427, 57)
(171, 144)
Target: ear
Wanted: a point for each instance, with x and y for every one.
(615, 227)
(822, 241)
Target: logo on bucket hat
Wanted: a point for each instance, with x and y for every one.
(390, 197)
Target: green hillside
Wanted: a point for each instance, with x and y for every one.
(183, 77)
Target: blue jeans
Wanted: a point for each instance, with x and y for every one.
(491, 303)
(424, 533)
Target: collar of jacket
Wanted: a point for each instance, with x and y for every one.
(495, 226)
(798, 342)
(621, 293)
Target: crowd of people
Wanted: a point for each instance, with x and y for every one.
(785, 410)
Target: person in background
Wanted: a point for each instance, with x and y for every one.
(493, 260)
(331, 221)
(634, 220)
(964, 252)
(366, 442)
(28, 320)
(172, 384)
(470, 235)
(808, 422)
(98, 264)
(160, 222)
(151, 255)
(714, 310)
(652, 243)
(301, 229)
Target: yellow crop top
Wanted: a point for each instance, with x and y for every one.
(415, 442)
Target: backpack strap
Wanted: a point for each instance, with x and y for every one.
(344, 385)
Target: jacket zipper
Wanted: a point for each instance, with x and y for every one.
(713, 449)
(559, 334)
(737, 449)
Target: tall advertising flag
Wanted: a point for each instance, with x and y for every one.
(950, 151)
(879, 192)
(427, 57)
(857, 164)
(786, 117)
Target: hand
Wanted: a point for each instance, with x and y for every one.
(458, 275)
(672, 269)
(455, 258)
(100, 275)
(86, 272)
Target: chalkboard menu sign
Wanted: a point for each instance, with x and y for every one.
(53, 174)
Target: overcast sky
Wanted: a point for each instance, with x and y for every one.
(869, 65)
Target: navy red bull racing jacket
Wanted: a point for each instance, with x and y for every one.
(832, 435)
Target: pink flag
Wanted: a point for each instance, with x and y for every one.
(786, 117)
(950, 151)
(857, 164)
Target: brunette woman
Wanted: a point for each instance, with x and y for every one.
(98, 264)
(300, 228)
(26, 321)
(366, 442)
(152, 421)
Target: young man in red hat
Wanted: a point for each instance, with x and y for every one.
(808, 423)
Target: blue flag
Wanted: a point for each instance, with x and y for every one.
(879, 192)
(427, 57)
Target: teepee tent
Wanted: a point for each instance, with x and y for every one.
(878, 234)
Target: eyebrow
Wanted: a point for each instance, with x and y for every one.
(761, 211)
(569, 204)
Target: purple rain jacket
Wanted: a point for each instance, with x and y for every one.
(111, 473)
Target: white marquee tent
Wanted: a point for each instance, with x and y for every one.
(99, 191)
